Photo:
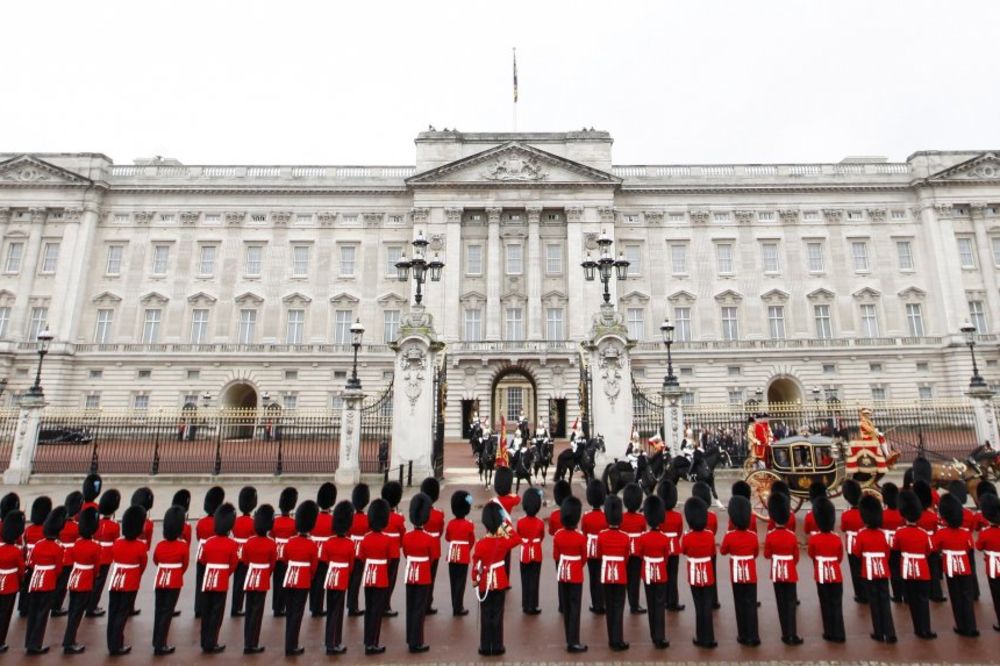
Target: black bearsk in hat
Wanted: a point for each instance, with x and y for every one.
(431, 487)
(225, 518)
(173, 523)
(263, 520)
(702, 491)
(922, 470)
(569, 512)
(213, 500)
(890, 495)
(360, 497)
(817, 489)
(10, 502)
(461, 503)
(378, 515)
(182, 498)
(741, 489)
(73, 503)
(613, 510)
(871, 512)
(54, 523)
(825, 514)
(13, 527)
(780, 488)
(852, 492)
(561, 490)
(632, 497)
(778, 508)
(492, 517)
(923, 491)
(909, 506)
(305, 517)
(739, 512)
(91, 487)
(503, 479)
(988, 504)
(985, 488)
(667, 492)
(957, 488)
(247, 500)
(696, 513)
(531, 502)
(40, 510)
(88, 522)
(133, 520)
(287, 500)
(420, 509)
(110, 501)
(143, 497)
(596, 492)
(951, 510)
(654, 512)
(392, 492)
(343, 518)
(326, 496)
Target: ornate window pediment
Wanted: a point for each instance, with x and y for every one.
(154, 298)
(821, 295)
(774, 296)
(7, 297)
(554, 299)
(982, 167)
(867, 294)
(512, 299)
(201, 298)
(103, 298)
(634, 299)
(28, 170)
(344, 299)
(728, 297)
(912, 294)
(296, 298)
(15, 234)
(681, 297)
(472, 299)
(391, 299)
(248, 298)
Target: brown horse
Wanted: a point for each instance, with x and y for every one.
(943, 473)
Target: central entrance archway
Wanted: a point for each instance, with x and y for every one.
(514, 391)
(240, 399)
(784, 390)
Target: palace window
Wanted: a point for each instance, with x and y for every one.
(92, 401)
(290, 401)
(824, 325)
(199, 326)
(769, 257)
(904, 251)
(295, 331)
(39, 316)
(636, 323)
(347, 260)
(14, 253)
(342, 327)
(553, 259)
(977, 316)
(102, 330)
(113, 265)
(474, 259)
(682, 324)
(515, 259)
(869, 320)
(859, 254)
(247, 326)
(151, 326)
(776, 321)
(724, 257)
(473, 325)
(253, 260)
(393, 253)
(926, 393)
(678, 258)
(161, 257)
(966, 252)
(515, 324)
(140, 401)
(50, 257)
(995, 241)
(633, 255)
(554, 324)
(814, 252)
(300, 260)
(4, 321)
(515, 403)
(390, 326)
(730, 323)
(206, 260)
(915, 320)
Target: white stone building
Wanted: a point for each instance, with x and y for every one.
(161, 281)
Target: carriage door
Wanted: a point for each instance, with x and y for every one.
(557, 417)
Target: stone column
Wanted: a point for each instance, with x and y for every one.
(575, 319)
(534, 271)
(611, 383)
(673, 418)
(25, 281)
(76, 255)
(417, 353)
(985, 259)
(986, 423)
(348, 467)
(494, 275)
(25, 440)
(454, 270)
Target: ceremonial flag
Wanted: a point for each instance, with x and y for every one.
(515, 75)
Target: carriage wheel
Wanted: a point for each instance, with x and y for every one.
(796, 503)
(760, 482)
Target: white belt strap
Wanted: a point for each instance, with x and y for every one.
(955, 562)
(851, 536)
(740, 567)
(371, 570)
(255, 574)
(911, 565)
(875, 565)
(826, 567)
(357, 544)
(436, 535)
(412, 572)
(291, 573)
(993, 562)
(211, 576)
(37, 574)
(7, 572)
(563, 569)
(652, 568)
(779, 566)
(117, 576)
(333, 574)
(610, 574)
(696, 570)
(454, 549)
(592, 546)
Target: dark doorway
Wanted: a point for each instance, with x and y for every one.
(470, 411)
(557, 417)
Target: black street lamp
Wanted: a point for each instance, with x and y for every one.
(206, 399)
(44, 339)
(422, 269)
(358, 332)
(969, 331)
(667, 329)
(603, 265)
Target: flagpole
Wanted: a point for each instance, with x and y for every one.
(514, 109)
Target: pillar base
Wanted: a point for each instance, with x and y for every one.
(347, 477)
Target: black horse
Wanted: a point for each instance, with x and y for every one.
(702, 469)
(522, 466)
(584, 460)
(544, 449)
(617, 475)
(487, 459)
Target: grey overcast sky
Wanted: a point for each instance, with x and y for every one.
(353, 82)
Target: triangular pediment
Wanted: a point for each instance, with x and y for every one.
(296, 297)
(391, 299)
(513, 164)
(473, 298)
(249, 298)
(774, 295)
(106, 297)
(820, 294)
(153, 297)
(28, 170)
(729, 296)
(201, 297)
(982, 167)
(681, 296)
(343, 298)
(867, 293)
(635, 298)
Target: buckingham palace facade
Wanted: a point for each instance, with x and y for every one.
(162, 281)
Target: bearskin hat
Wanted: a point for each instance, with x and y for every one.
(10, 502)
(326, 496)
(492, 517)
(852, 492)
(503, 479)
(173, 522)
(287, 500)
(360, 497)
(214, 499)
(532, 501)
(890, 495)
(702, 491)
(922, 469)
(950, 510)
(871, 512)
(560, 491)
(696, 513)
(909, 506)
(225, 518)
(958, 489)
(613, 510)
(13, 527)
(73, 503)
(596, 492)
(263, 520)
(40, 510)
(907, 478)
(778, 508)
(824, 514)
(392, 492)
(87, 522)
(667, 492)
(133, 522)
(343, 518)
(54, 523)
(143, 497)
(461, 503)
(305, 517)
(988, 504)
(985, 488)
(654, 512)
(741, 489)
(570, 511)
(420, 510)
(923, 491)
(247, 500)
(780, 488)
(816, 489)
(182, 498)
(110, 501)
(431, 487)
(378, 515)
(739, 511)
(632, 497)
(91, 487)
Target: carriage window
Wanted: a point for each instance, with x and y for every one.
(780, 457)
(824, 458)
(802, 456)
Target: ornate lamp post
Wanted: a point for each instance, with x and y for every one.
(422, 269)
(206, 399)
(604, 264)
(969, 331)
(358, 332)
(667, 329)
(44, 339)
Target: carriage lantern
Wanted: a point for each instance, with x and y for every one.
(667, 329)
(969, 331)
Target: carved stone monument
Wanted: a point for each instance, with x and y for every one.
(29, 421)
(608, 347)
(349, 468)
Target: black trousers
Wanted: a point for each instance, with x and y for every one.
(99, 581)
(530, 573)
(239, 578)
(7, 602)
(164, 603)
(457, 575)
(673, 596)
(571, 600)
(745, 603)
(917, 596)
(857, 582)
(213, 606)
(596, 587)
(354, 586)
(656, 604)
(877, 592)
(896, 575)
(785, 594)
(78, 602)
(831, 608)
(715, 585)
(975, 575)
(962, 600)
(119, 608)
(434, 577)
(256, 601)
(22, 599)
(393, 575)
(317, 591)
(995, 593)
(335, 617)
(491, 622)
(295, 606)
(614, 606)
(934, 564)
(633, 568)
(199, 576)
(417, 597)
(39, 609)
(376, 603)
(704, 627)
(61, 583)
(278, 588)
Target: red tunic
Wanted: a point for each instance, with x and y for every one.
(46, 562)
(338, 553)
(699, 547)
(204, 530)
(914, 546)
(892, 520)
(259, 554)
(186, 533)
(673, 527)
(593, 523)
(323, 529)
(67, 539)
(302, 556)
(989, 543)
(488, 571)
(32, 535)
(569, 550)
(420, 548)
(128, 561)
(147, 533)
(742, 547)
(359, 528)
(396, 530)
(218, 554)
(873, 549)
(633, 525)
(283, 530)
(86, 558)
(108, 531)
(790, 525)
(508, 502)
(435, 524)
(11, 568)
(713, 523)
(531, 529)
(850, 525)
(928, 522)
(460, 535)
(171, 559)
(613, 549)
(753, 524)
(654, 549)
(376, 550)
(827, 552)
(954, 546)
(809, 524)
(242, 531)
(782, 548)
(555, 522)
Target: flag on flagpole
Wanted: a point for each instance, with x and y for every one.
(515, 75)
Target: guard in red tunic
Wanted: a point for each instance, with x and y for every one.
(613, 549)
(673, 527)
(816, 490)
(560, 491)
(489, 576)
(259, 555)
(303, 557)
(377, 550)
(243, 529)
(633, 525)
(392, 493)
(953, 543)
(33, 533)
(827, 553)
(11, 569)
(182, 498)
(171, 556)
(108, 531)
(592, 524)
(780, 487)
(782, 548)
(970, 521)
(282, 532)
(892, 520)
(460, 535)
(204, 530)
(9, 503)
(91, 490)
(531, 531)
(703, 491)
(742, 547)
(420, 549)
(569, 550)
(503, 482)
(144, 497)
(654, 548)
(360, 497)
(872, 550)
(435, 527)
(46, 563)
(128, 562)
(218, 555)
(698, 545)
(989, 543)
(67, 539)
(338, 554)
(929, 523)
(86, 559)
(850, 525)
(742, 489)
(326, 497)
